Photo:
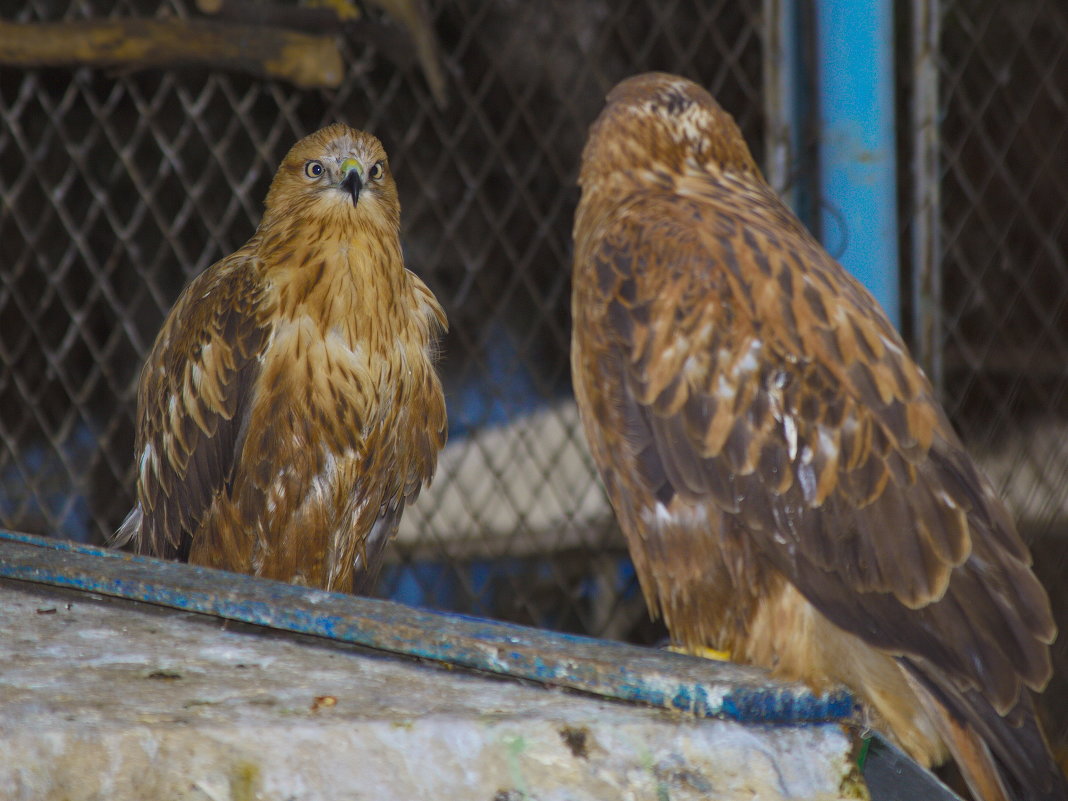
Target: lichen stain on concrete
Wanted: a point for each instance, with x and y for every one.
(244, 778)
(515, 745)
(683, 779)
(164, 675)
(575, 738)
(853, 785)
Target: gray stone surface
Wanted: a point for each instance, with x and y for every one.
(106, 700)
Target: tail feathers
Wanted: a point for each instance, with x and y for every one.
(973, 759)
(129, 531)
(369, 562)
(1001, 758)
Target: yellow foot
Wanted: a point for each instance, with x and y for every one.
(703, 652)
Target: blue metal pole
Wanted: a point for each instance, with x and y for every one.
(858, 183)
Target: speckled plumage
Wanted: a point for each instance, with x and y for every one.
(290, 406)
(789, 486)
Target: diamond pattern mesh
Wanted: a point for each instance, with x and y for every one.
(1004, 233)
(115, 189)
(1002, 326)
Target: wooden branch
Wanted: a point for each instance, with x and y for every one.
(137, 44)
(390, 40)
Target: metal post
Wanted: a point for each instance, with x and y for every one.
(782, 133)
(926, 198)
(858, 154)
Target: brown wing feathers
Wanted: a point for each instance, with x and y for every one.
(739, 388)
(194, 405)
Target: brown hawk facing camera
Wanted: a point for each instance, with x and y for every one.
(790, 489)
(290, 408)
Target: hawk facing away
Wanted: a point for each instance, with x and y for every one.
(790, 489)
(290, 406)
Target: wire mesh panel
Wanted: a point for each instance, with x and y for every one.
(1003, 231)
(117, 188)
(1000, 257)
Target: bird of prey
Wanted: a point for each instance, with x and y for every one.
(290, 406)
(790, 489)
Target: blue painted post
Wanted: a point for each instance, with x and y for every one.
(858, 184)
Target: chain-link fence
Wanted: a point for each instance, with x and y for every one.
(117, 187)
(997, 278)
(1003, 179)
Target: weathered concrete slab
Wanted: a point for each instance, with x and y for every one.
(114, 700)
(607, 669)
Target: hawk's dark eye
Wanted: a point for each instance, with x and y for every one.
(313, 169)
(376, 171)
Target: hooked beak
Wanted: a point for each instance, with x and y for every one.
(352, 182)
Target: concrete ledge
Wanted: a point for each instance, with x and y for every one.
(106, 699)
(123, 677)
(604, 668)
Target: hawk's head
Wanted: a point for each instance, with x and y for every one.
(337, 174)
(663, 123)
